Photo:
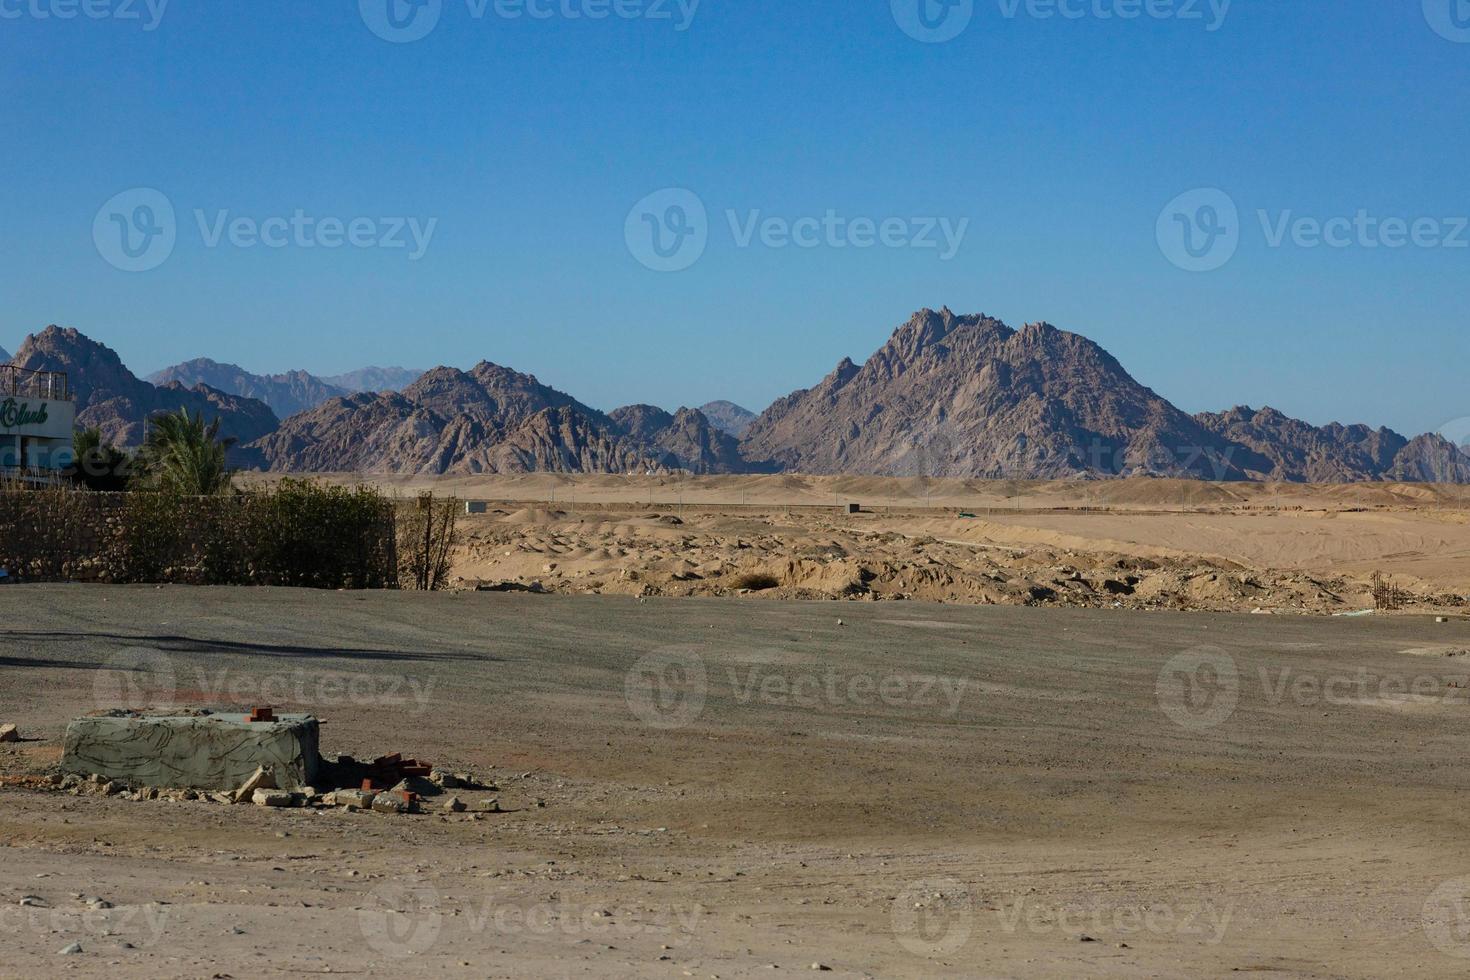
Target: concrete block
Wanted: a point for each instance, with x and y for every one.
(216, 752)
(354, 799)
(272, 797)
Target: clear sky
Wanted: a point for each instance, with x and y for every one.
(519, 146)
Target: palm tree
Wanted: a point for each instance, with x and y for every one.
(185, 456)
(98, 465)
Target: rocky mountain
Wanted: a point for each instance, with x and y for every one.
(1299, 451)
(969, 396)
(728, 417)
(947, 395)
(286, 394)
(687, 440)
(4, 355)
(489, 419)
(374, 379)
(116, 401)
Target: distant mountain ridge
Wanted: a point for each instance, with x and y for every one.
(728, 417)
(4, 356)
(286, 394)
(374, 379)
(946, 396)
(116, 401)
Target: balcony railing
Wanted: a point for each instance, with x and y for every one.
(20, 383)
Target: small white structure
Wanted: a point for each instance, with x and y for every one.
(37, 416)
(476, 507)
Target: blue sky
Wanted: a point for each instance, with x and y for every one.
(1058, 141)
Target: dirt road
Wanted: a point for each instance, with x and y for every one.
(730, 786)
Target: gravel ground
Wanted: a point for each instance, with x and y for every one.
(722, 787)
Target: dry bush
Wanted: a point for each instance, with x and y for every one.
(755, 581)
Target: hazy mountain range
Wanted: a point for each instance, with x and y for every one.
(947, 395)
(286, 394)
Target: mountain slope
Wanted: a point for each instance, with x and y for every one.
(686, 440)
(374, 379)
(4, 355)
(114, 400)
(489, 419)
(286, 394)
(969, 396)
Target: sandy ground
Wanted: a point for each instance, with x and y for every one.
(734, 787)
(1148, 544)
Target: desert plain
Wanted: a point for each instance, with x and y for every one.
(939, 771)
(1140, 543)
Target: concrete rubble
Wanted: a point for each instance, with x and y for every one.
(257, 758)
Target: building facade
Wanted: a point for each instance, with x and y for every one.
(37, 416)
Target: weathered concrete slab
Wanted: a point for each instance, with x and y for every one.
(216, 751)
